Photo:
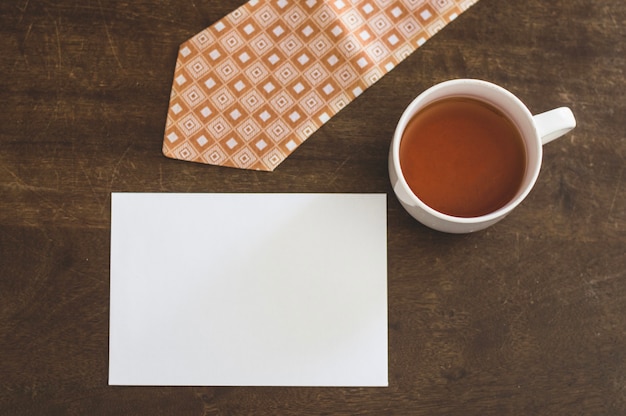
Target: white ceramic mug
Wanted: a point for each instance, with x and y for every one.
(535, 131)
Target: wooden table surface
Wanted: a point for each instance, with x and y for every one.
(525, 318)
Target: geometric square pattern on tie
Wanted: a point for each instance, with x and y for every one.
(252, 87)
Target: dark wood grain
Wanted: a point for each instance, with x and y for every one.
(525, 318)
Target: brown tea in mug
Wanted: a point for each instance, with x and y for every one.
(462, 157)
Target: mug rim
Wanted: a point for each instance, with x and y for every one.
(410, 111)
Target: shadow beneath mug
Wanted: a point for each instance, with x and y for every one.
(404, 232)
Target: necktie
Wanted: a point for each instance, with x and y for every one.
(252, 87)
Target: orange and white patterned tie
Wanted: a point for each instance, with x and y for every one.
(251, 88)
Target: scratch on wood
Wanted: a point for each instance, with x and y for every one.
(54, 115)
(93, 190)
(116, 170)
(22, 6)
(336, 171)
(20, 184)
(23, 46)
(56, 28)
(106, 29)
(161, 179)
(517, 248)
(30, 28)
(37, 190)
(617, 188)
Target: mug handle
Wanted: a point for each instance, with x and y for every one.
(554, 123)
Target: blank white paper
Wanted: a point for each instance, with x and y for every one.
(248, 289)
